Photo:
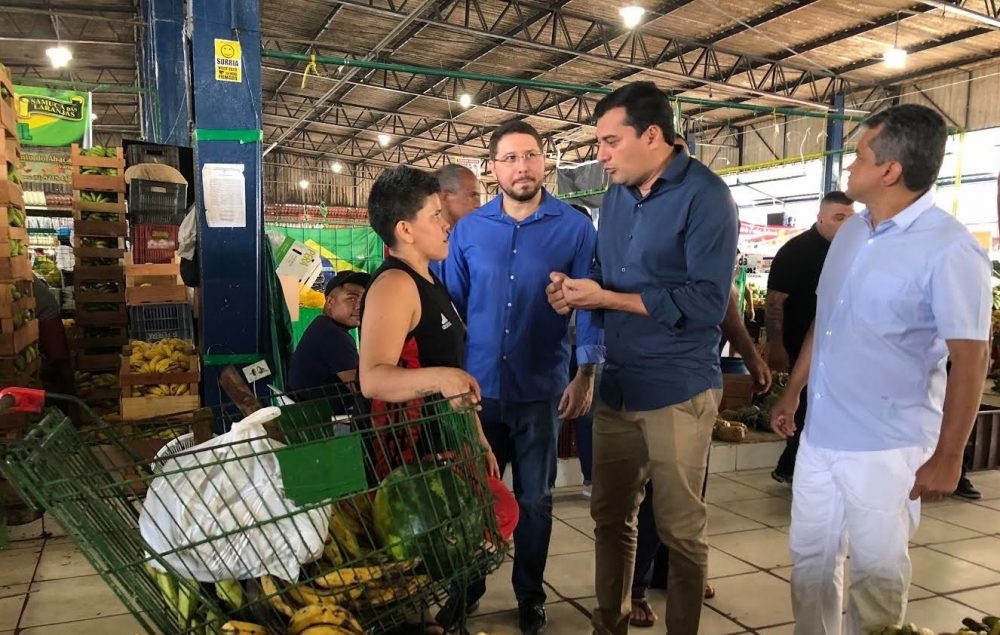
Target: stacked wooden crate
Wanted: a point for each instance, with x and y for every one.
(99, 230)
(160, 369)
(20, 361)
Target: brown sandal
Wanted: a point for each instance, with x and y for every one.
(642, 614)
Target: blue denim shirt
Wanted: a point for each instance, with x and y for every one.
(496, 272)
(888, 300)
(676, 247)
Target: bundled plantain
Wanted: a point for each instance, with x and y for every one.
(99, 243)
(26, 357)
(15, 217)
(87, 383)
(17, 248)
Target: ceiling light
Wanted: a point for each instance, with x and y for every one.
(304, 184)
(631, 15)
(337, 166)
(465, 99)
(894, 57)
(59, 56)
(383, 140)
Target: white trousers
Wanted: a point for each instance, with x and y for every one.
(853, 503)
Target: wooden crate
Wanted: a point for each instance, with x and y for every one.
(97, 182)
(89, 273)
(115, 337)
(737, 392)
(15, 268)
(14, 343)
(5, 219)
(100, 229)
(984, 443)
(114, 317)
(116, 206)
(11, 376)
(10, 193)
(154, 284)
(9, 306)
(137, 408)
(82, 251)
(97, 361)
(8, 233)
(93, 297)
(8, 326)
(131, 379)
(8, 107)
(10, 151)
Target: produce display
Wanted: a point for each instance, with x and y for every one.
(26, 357)
(350, 579)
(87, 382)
(99, 243)
(166, 356)
(99, 287)
(15, 217)
(101, 152)
(46, 269)
(18, 248)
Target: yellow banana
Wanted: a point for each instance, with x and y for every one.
(305, 595)
(348, 577)
(348, 541)
(347, 518)
(183, 389)
(270, 590)
(163, 365)
(332, 552)
(377, 595)
(314, 616)
(243, 628)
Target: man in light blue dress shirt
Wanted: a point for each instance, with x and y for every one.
(904, 288)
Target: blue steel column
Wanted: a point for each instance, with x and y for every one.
(165, 68)
(833, 161)
(232, 307)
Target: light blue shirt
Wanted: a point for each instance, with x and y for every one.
(887, 302)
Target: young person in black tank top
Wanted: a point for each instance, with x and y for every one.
(412, 338)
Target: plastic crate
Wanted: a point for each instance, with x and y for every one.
(153, 244)
(136, 153)
(155, 322)
(156, 202)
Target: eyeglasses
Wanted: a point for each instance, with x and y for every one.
(511, 159)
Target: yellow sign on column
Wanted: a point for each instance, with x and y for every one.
(228, 61)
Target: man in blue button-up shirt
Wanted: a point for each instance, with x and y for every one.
(518, 347)
(665, 255)
(905, 286)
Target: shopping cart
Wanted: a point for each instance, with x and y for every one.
(398, 544)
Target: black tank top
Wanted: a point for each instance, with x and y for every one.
(439, 338)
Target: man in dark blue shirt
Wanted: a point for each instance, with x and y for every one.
(327, 354)
(665, 256)
(518, 347)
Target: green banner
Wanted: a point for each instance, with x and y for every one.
(53, 118)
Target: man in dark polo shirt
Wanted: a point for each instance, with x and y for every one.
(791, 303)
(327, 354)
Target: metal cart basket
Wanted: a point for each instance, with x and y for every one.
(407, 513)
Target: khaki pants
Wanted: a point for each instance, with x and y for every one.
(669, 446)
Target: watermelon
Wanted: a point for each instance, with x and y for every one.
(428, 512)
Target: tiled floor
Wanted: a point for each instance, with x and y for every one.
(47, 588)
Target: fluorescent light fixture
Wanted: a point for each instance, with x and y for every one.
(337, 167)
(465, 99)
(383, 140)
(631, 15)
(59, 56)
(894, 57)
(304, 184)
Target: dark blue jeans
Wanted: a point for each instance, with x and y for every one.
(525, 435)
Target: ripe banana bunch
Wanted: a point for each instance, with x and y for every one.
(235, 627)
(163, 390)
(166, 356)
(324, 620)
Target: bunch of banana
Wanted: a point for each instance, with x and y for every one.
(243, 628)
(166, 356)
(26, 357)
(105, 380)
(12, 175)
(94, 197)
(324, 620)
(15, 217)
(99, 287)
(17, 248)
(84, 383)
(100, 217)
(163, 390)
(15, 293)
(386, 592)
(22, 317)
(179, 594)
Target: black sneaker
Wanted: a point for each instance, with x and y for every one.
(784, 479)
(967, 490)
(531, 619)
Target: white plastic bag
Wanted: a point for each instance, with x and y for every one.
(211, 512)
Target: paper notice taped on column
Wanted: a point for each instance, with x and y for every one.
(225, 195)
